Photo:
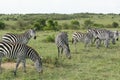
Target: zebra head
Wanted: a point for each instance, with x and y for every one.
(32, 33)
(116, 35)
(38, 65)
(67, 52)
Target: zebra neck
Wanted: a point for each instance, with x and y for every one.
(32, 54)
(27, 35)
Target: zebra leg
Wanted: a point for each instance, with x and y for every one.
(61, 52)
(58, 52)
(87, 41)
(75, 47)
(106, 42)
(0, 65)
(24, 65)
(98, 42)
(17, 64)
(113, 41)
(85, 45)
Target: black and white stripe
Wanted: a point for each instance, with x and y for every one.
(61, 41)
(19, 38)
(20, 52)
(82, 37)
(104, 35)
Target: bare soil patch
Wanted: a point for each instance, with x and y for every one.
(11, 65)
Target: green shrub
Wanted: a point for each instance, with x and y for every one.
(74, 24)
(98, 25)
(2, 25)
(88, 24)
(49, 38)
(115, 24)
(65, 26)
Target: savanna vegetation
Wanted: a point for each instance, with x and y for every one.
(59, 21)
(90, 64)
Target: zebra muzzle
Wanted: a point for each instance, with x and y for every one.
(117, 39)
(41, 72)
(34, 37)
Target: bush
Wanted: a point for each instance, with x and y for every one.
(115, 24)
(2, 25)
(98, 25)
(40, 24)
(75, 24)
(65, 26)
(49, 39)
(88, 24)
(51, 25)
(37, 26)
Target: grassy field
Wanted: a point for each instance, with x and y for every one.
(90, 64)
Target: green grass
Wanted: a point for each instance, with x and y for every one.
(90, 64)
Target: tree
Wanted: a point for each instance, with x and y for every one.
(40, 24)
(115, 24)
(51, 25)
(37, 26)
(75, 22)
(2, 25)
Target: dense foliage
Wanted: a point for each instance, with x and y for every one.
(2, 25)
(59, 21)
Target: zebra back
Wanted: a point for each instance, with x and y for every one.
(104, 34)
(19, 38)
(20, 52)
(61, 41)
(79, 36)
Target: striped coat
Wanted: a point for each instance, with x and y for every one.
(20, 52)
(19, 38)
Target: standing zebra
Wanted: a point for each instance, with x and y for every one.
(82, 37)
(104, 35)
(19, 38)
(20, 52)
(61, 41)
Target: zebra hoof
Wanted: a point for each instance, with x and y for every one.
(14, 73)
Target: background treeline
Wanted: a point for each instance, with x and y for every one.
(59, 21)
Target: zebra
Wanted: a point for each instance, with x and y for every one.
(19, 38)
(61, 41)
(20, 52)
(82, 37)
(105, 35)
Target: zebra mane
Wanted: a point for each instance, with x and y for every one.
(36, 55)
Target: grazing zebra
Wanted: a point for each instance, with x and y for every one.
(19, 38)
(104, 35)
(20, 52)
(61, 41)
(82, 37)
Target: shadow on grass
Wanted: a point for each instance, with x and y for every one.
(56, 62)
